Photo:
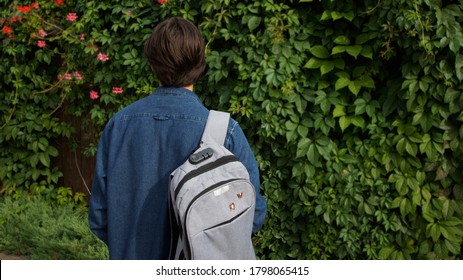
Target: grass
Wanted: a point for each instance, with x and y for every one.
(41, 231)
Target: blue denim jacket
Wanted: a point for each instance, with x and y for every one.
(139, 148)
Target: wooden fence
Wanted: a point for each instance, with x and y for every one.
(76, 167)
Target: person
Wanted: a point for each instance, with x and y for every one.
(144, 142)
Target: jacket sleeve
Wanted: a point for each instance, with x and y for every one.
(97, 216)
(239, 146)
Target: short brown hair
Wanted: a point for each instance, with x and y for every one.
(176, 52)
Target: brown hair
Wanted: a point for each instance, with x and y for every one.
(176, 52)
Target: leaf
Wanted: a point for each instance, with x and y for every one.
(338, 49)
(366, 81)
(326, 217)
(302, 130)
(362, 38)
(446, 208)
(291, 126)
(270, 76)
(411, 148)
(401, 145)
(385, 253)
(326, 67)
(368, 209)
(342, 82)
(339, 111)
(336, 15)
(44, 159)
(416, 198)
(350, 15)
(319, 51)
(344, 122)
(354, 50)
(313, 63)
(342, 40)
(440, 250)
(303, 147)
(459, 66)
(396, 202)
(253, 22)
(404, 207)
(312, 154)
(354, 87)
(434, 231)
(367, 51)
(326, 15)
(358, 121)
(453, 246)
(426, 194)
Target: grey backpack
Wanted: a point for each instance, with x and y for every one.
(212, 200)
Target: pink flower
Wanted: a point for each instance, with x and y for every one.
(94, 94)
(23, 9)
(71, 17)
(59, 2)
(35, 5)
(102, 57)
(6, 30)
(160, 2)
(42, 33)
(77, 75)
(67, 76)
(41, 43)
(82, 36)
(117, 90)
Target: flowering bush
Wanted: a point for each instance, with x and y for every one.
(353, 108)
(66, 55)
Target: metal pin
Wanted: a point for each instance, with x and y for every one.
(232, 206)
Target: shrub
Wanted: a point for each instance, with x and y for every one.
(353, 108)
(40, 230)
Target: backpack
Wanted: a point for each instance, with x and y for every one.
(212, 200)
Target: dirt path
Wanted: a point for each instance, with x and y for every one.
(4, 256)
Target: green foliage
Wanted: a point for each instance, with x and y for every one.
(40, 230)
(353, 109)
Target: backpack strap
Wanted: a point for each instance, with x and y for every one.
(216, 127)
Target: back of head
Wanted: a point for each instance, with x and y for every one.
(176, 52)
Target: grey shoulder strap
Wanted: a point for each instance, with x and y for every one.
(216, 127)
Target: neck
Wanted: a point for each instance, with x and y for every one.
(190, 87)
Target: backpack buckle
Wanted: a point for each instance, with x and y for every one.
(201, 155)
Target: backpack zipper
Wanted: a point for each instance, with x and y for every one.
(221, 161)
(187, 242)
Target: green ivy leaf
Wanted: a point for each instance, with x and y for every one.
(358, 121)
(339, 111)
(344, 122)
(326, 67)
(459, 66)
(253, 22)
(320, 51)
(355, 86)
(433, 230)
(342, 82)
(313, 63)
(342, 40)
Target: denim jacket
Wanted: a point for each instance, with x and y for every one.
(139, 148)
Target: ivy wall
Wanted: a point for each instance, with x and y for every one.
(353, 108)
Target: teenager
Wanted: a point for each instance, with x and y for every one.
(144, 142)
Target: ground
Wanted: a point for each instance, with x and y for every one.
(4, 256)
